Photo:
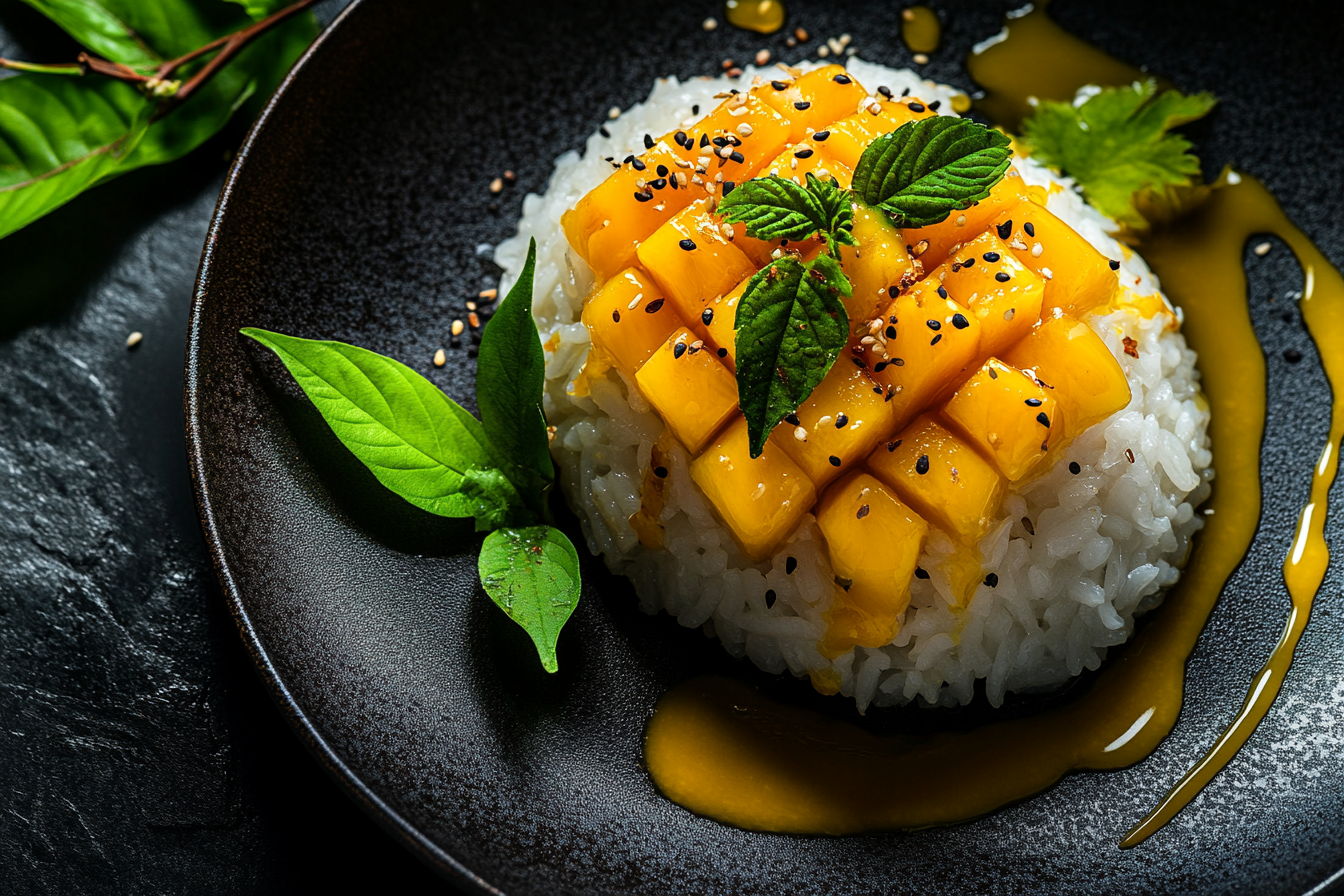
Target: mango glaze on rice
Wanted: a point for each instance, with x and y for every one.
(996, 476)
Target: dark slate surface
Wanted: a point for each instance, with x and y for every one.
(139, 752)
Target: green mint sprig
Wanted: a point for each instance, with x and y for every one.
(431, 451)
(790, 323)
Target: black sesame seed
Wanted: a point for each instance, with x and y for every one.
(878, 368)
(603, 131)
(770, 598)
(835, 461)
(1003, 277)
(933, 106)
(658, 183)
(934, 324)
(916, 107)
(858, 362)
(892, 319)
(681, 138)
(672, 182)
(921, 572)
(1074, 467)
(842, 78)
(993, 374)
(803, 153)
(1005, 229)
(1033, 402)
(737, 157)
(841, 421)
(878, 389)
(728, 187)
(643, 197)
(942, 292)
(960, 322)
(790, 564)
(638, 164)
(1043, 419)
(934, 340)
(905, 92)
(648, 142)
(885, 91)
(991, 257)
(720, 142)
(820, 136)
(792, 420)
(1292, 356)
(992, 580)
(899, 362)
(704, 140)
(863, 512)
(679, 349)
(629, 160)
(922, 465)
(662, 170)
(723, 353)
(688, 245)
(695, 110)
(956, 266)
(1115, 265)
(616, 315)
(968, 263)
(660, 472)
(780, 85)
(1030, 228)
(1027, 524)
(654, 306)
(707, 316)
(894, 444)
(802, 105)
(890, 332)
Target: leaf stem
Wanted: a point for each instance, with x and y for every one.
(37, 68)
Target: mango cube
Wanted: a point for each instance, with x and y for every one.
(843, 419)
(692, 261)
(688, 387)
(761, 500)
(813, 100)
(719, 144)
(1077, 277)
(1006, 414)
(628, 319)
(942, 477)
(932, 343)
(1077, 369)
(717, 324)
(962, 226)
(874, 542)
(1003, 294)
(877, 266)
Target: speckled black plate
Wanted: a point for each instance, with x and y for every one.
(355, 212)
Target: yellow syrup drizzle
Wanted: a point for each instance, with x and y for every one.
(763, 16)
(920, 29)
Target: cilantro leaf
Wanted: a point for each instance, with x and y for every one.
(924, 170)
(790, 329)
(1116, 144)
(774, 208)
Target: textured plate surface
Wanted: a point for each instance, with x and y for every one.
(355, 212)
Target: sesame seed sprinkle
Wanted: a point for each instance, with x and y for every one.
(922, 465)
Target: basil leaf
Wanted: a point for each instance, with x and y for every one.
(837, 206)
(532, 574)
(924, 170)
(417, 441)
(790, 329)
(773, 208)
(510, 377)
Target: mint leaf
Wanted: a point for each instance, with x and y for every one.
(774, 208)
(510, 377)
(1116, 144)
(837, 207)
(532, 574)
(790, 329)
(924, 170)
(417, 441)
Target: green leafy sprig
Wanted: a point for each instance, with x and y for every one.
(1117, 145)
(791, 324)
(431, 451)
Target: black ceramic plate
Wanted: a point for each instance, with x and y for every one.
(355, 211)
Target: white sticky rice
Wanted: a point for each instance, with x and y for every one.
(1106, 544)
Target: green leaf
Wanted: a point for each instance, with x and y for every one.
(1116, 144)
(532, 574)
(417, 441)
(510, 377)
(924, 170)
(260, 9)
(790, 329)
(101, 28)
(837, 207)
(773, 208)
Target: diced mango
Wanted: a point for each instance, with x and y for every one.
(1077, 369)
(963, 226)
(874, 542)
(606, 226)
(717, 324)
(741, 151)
(761, 500)
(692, 261)
(688, 387)
(942, 477)
(1078, 278)
(813, 100)
(843, 419)
(932, 343)
(878, 266)
(1005, 413)
(850, 136)
(1002, 293)
(808, 157)
(628, 319)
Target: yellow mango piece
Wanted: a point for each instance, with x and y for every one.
(874, 542)
(932, 343)
(745, 150)
(688, 387)
(628, 319)
(1006, 414)
(813, 100)
(1077, 369)
(942, 477)
(1077, 277)
(1003, 294)
(760, 500)
(850, 136)
(606, 226)
(843, 419)
(717, 324)
(692, 261)
(933, 244)
(808, 157)
(879, 262)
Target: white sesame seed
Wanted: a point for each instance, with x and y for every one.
(634, 303)
(921, 59)
(762, 57)
(823, 51)
(1047, 273)
(800, 434)
(1036, 250)
(744, 129)
(824, 420)
(1262, 249)
(710, 23)
(496, 185)
(440, 358)
(458, 327)
(961, 220)
(1008, 315)
(134, 339)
